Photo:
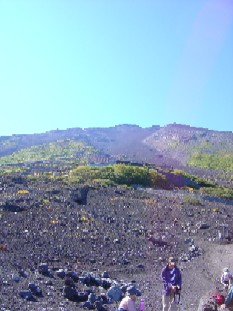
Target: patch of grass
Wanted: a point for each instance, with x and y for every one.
(202, 182)
(12, 169)
(222, 162)
(190, 200)
(58, 150)
(120, 174)
(219, 191)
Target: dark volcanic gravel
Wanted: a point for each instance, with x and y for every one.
(53, 231)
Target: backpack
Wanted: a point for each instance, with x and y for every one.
(115, 293)
(219, 299)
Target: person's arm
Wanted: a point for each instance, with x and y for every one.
(165, 281)
(231, 278)
(222, 279)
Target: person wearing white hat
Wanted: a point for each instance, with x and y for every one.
(226, 278)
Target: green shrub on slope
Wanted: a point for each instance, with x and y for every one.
(51, 151)
(220, 192)
(222, 162)
(118, 174)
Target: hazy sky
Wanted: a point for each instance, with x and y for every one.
(99, 63)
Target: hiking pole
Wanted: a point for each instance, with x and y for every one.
(181, 305)
(178, 301)
(177, 297)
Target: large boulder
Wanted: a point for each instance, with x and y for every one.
(26, 294)
(115, 293)
(12, 207)
(80, 195)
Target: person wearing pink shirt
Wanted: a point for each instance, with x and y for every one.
(128, 302)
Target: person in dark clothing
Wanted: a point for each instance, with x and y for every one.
(228, 300)
(172, 282)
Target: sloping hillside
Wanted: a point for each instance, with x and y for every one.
(54, 222)
(193, 146)
(173, 145)
(54, 151)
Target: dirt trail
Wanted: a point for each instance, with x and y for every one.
(216, 258)
(221, 256)
(202, 275)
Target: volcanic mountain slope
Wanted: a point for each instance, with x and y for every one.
(172, 145)
(181, 141)
(129, 233)
(124, 142)
(49, 227)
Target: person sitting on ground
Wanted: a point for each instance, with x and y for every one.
(226, 278)
(172, 281)
(128, 302)
(228, 300)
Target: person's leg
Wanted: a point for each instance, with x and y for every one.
(166, 302)
(173, 306)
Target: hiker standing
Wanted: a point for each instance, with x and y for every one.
(228, 300)
(128, 302)
(172, 281)
(226, 278)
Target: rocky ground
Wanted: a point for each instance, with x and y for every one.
(65, 237)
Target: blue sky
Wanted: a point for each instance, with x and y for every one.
(99, 63)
